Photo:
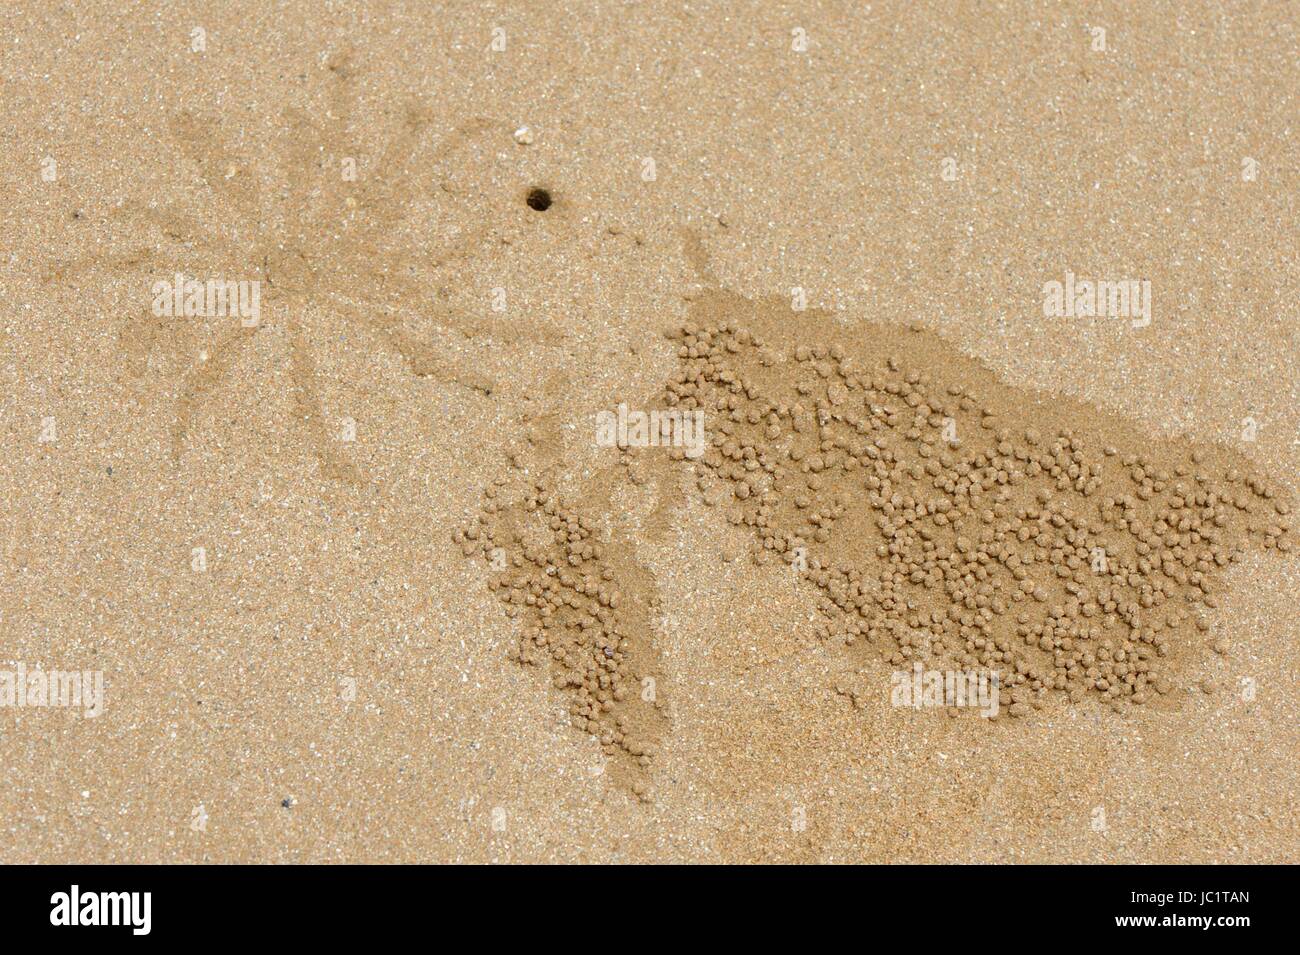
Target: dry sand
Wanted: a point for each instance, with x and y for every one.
(252, 532)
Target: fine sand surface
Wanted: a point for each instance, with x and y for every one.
(361, 583)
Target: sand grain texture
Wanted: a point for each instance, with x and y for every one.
(338, 682)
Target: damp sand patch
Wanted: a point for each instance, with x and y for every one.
(937, 515)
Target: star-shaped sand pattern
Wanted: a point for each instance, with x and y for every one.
(321, 241)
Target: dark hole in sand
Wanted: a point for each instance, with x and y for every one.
(539, 199)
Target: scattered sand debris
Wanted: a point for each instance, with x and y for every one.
(942, 516)
(585, 607)
(954, 523)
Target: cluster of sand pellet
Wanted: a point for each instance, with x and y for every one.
(557, 577)
(937, 529)
(942, 516)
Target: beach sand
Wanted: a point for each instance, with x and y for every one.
(255, 530)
